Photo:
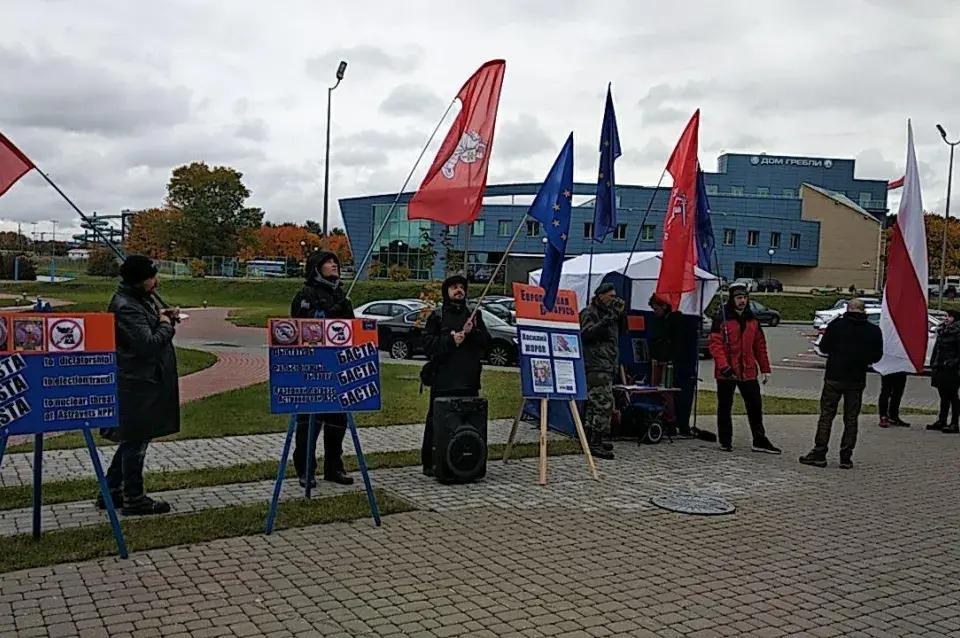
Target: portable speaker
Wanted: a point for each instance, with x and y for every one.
(459, 439)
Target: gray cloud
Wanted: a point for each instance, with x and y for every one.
(48, 90)
(521, 138)
(412, 99)
(255, 130)
(364, 60)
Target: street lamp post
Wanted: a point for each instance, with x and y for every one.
(771, 252)
(341, 70)
(946, 216)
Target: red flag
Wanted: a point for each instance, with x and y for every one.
(895, 184)
(452, 191)
(679, 250)
(13, 164)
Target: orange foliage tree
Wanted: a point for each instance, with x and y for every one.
(340, 245)
(280, 241)
(153, 232)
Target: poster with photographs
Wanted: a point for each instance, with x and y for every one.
(565, 345)
(542, 370)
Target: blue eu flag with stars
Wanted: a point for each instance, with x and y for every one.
(551, 208)
(705, 239)
(605, 213)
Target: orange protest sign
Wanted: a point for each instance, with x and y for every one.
(529, 305)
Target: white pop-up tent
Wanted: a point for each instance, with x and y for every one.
(583, 278)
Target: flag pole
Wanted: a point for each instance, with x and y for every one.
(513, 240)
(636, 239)
(96, 229)
(396, 200)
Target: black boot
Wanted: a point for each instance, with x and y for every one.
(814, 458)
(145, 506)
(951, 429)
(595, 440)
(936, 425)
(116, 496)
(336, 473)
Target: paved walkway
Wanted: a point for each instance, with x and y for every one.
(869, 552)
(17, 469)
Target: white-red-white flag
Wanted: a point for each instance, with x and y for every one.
(904, 315)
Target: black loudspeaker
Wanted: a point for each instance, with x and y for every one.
(459, 439)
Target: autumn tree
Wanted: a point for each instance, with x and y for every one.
(340, 246)
(154, 232)
(212, 203)
(281, 241)
(934, 224)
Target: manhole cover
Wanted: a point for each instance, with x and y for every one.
(694, 504)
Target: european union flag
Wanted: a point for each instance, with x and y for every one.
(605, 213)
(705, 239)
(551, 207)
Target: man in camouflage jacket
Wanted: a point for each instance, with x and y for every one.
(601, 324)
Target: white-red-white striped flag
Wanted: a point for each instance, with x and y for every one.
(904, 315)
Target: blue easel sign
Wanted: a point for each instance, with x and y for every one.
(58, 373)
(317, 367)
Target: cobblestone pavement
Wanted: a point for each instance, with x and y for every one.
(17, 469)
(874, 551)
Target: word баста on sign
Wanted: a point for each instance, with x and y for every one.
(767, 160)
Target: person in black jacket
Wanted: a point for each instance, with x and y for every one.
(456, 346)
(666, 335)
(945, 373)
(147, 382)
(322, 297)
(852, 344)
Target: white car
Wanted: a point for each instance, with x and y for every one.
(387, 309)
(822, 317)
(873, 316)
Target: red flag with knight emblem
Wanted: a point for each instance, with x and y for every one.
(13, 164)
(452, 190)
(679, 250)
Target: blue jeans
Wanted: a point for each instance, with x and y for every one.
(126, 470)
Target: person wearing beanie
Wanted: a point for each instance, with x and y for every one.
(945, 373)
(602, 323)
(147, 382)
(852, 344)
(322, 297)
(456, 346)
(739, 351)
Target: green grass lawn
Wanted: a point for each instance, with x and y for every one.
(190, 361)
(246, 411)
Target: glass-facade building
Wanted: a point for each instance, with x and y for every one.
(754, 200)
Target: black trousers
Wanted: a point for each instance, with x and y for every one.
(750, 391)
(892, 387)
(334, 427)
(830, 396)
(949, 402)
(126, 470)
(426, 448)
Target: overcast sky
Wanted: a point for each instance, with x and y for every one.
(109, 95)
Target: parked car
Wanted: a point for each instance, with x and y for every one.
(502, 307)
(386, 309)
(402, 337)
(746, 282)
(769, 285)
(823, 317)
(934, 318)
(703, 343)
(766, 316)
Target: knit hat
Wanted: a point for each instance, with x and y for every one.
(737, 289)
(606, 287)
(136, 269)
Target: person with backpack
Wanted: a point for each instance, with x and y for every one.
(322, 297)
(456, 343)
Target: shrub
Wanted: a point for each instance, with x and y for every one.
(103, 262)
(198, 268)
(398, 272)
(26, 270)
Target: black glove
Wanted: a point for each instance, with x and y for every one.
(726, 372)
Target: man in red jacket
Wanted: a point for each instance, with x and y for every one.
(739, 352)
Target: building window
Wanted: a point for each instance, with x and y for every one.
(503, 228)
(736, 190)
(477, 230)
(763, 191)
(753, 237)
(400, 244)
(620, 232)
(712, 189)
(774, 240)
(646, 232)
(865, 199)
(729, 236)
(587, 229)
(795, 241)
(789, 192)
(533, 228)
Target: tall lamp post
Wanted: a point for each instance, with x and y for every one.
(341, 70)
(946, 216)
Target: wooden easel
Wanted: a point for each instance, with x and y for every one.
(544, 404)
